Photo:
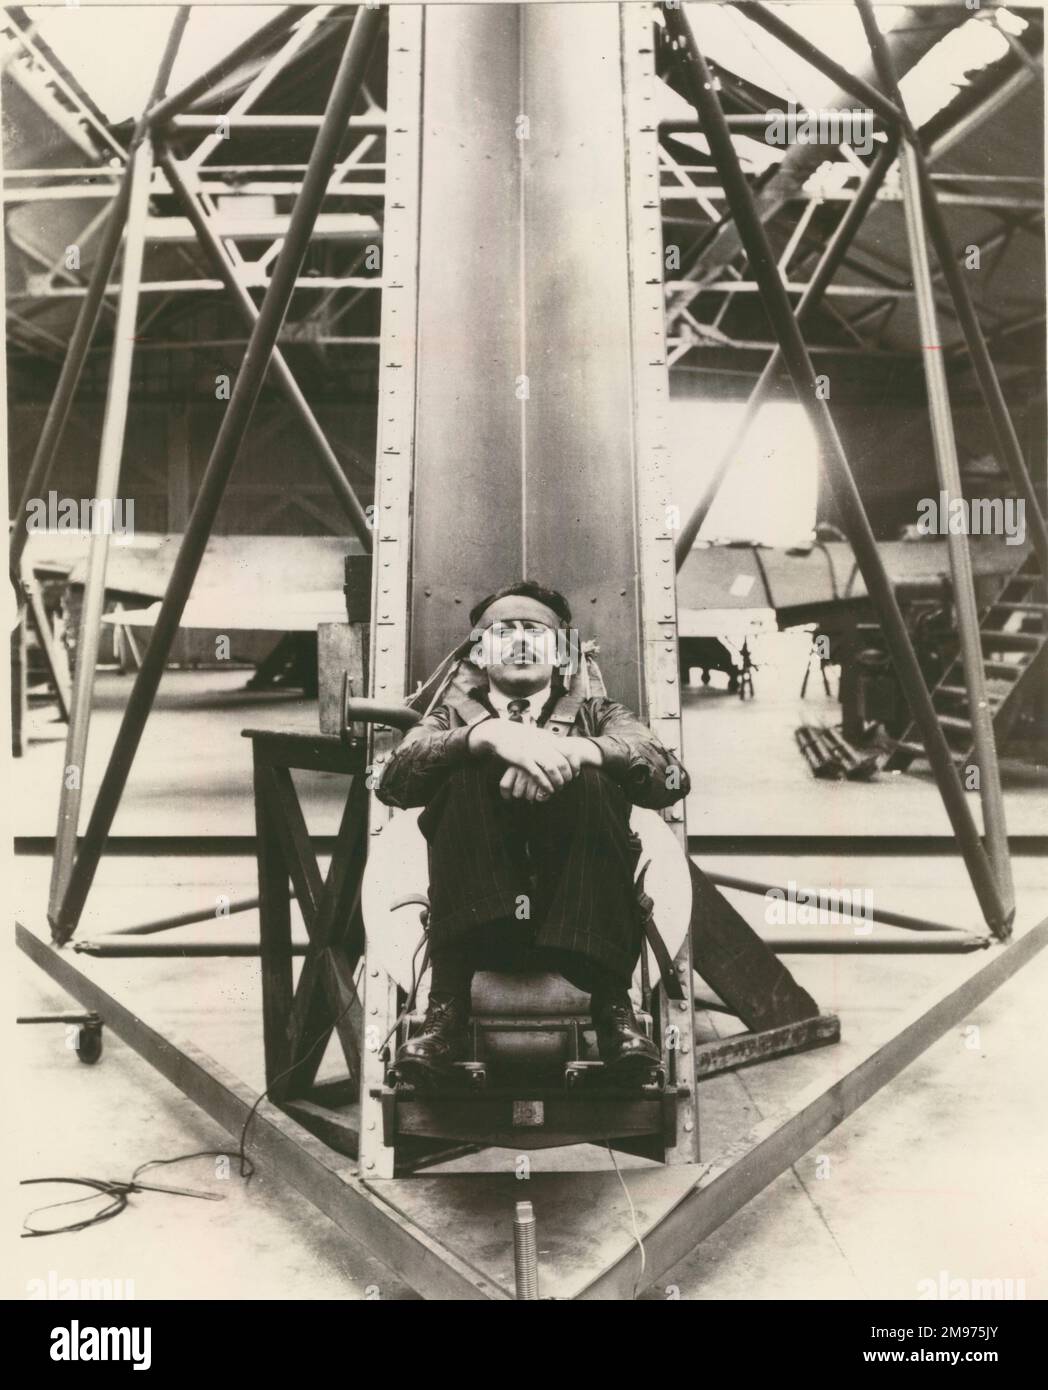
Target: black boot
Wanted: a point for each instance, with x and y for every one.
(628, 1054)
(430, 1055)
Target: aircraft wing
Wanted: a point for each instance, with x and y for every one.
(245, 583)
(794, 582)
(251, 610)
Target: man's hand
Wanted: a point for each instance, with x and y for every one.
(527, 749)
(582, 752)
(517, 785)
(539, 763)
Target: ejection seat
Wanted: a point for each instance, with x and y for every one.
(533, 1078)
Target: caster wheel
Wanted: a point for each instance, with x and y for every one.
(89, 1043)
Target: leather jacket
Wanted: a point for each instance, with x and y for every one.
(649, 773)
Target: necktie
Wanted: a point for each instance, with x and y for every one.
(517, 709)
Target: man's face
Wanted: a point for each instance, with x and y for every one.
(516, 642)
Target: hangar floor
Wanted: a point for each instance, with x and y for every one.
(870, 1212)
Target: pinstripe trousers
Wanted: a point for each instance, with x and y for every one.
(553, 879)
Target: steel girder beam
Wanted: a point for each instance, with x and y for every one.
(889, 110)
(909, 41)
(829, 262)
(160, 112)
(39, 89)
(917, 187)
(374, 125)
(348, 79)
(167, 287)
(212, 184)
(107, 488)
(87, 319)
(749, 222)
(963, 584)
(1000, 204)
(245, 306)
(961, 304)
(262, 81)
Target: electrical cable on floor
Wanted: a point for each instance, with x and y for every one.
(119, 1191)
(633, 1220)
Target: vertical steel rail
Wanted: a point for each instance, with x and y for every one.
(245, 306)
(949, 472)
(107, 486)
(654, 538)
(254, 366)
(394, 479)
(846, 494)
(90, 308)
(829, 262)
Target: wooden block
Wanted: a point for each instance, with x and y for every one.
(341, 649)
(358, 588)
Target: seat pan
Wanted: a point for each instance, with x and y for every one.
(396, 884)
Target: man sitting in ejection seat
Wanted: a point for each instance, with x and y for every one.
(518, 813)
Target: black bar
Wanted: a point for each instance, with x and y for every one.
(112, 949)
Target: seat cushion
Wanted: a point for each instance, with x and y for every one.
(527, 995)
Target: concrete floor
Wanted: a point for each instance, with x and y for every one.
(942, 1170)
(945, 1169)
